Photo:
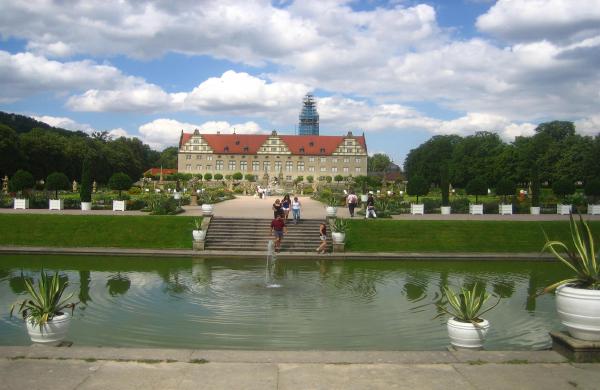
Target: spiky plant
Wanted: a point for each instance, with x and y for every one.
(466, 305)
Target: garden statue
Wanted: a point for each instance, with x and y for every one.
(74, 186)
(94, 187)
(5, 184)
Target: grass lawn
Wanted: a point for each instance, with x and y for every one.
(454, 236)
(166, 232)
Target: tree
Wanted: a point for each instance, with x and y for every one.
(505, 188)
(22, 180)
(444, 184)
(250, 177)
(237, 176)
(563, 187)
(378, 162)
(477, 187)
(476, 156)
(85, 189)
(57, 181)
(427, 159)
(208, 176)
(592, 189)
(168, 157)
(310, 178)
(120, 181)
(338, 178)
(417, 186)
(218, 176)
(10, 154)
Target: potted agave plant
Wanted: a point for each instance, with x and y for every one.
(466, 327)
(331, 208)
(198, 233)
(45, 310)
(207, 207)
(578, 298)
(339, 227)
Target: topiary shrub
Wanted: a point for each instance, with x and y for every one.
(85, 189)
(237, 176)
(250, 177)
(120, 182)
(208, 176)
(563, 187)
(22, 180)
(477, 187)
(57, 181)
(218, 176)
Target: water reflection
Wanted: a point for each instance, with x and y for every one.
(322, 304)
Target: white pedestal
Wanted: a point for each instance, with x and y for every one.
(86, 206)
(535, 210)
(56, 204)
(417, 209)
(21, 204)
(563, 209)
(476, 209)
(118, 205)
(446, 210)
(505, 209)
(594, 209)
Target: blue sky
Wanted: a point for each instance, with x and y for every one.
(400, 71)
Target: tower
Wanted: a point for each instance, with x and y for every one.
(309, 117)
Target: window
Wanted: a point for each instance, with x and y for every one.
(300, 166)
(188, 156)
(245, 149)
(255, 166)
(346, 170)
(219, 165)
(194, 147)
(209, 158)
(346, 159)
(311, 143)
(323, 159)
(311, 169)
(357, 169)
(226, 149)
(188, 167)
(195, 140)
(198, 167)
(266, 166)
(334, 160)
(208, 167)
(301, 150)
(311, 159)
(277, 166)
(357, 160)
(322, 150)
(334, 169)
(198, 157)
(243, 166)
(349, 150)
(232, 165)
(323, 169)
(289, 166)
(273, 149)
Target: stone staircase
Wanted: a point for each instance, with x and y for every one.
(253, 234)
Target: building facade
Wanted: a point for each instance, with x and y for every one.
(309, 117)
(284, 156)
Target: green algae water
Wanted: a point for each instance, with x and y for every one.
(320, 304)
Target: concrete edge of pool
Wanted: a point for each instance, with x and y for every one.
(123, 368)
(526, 256)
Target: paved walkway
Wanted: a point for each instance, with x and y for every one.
(40, 367)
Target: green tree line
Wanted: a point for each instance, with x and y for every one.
(555, 152)
(42, 149)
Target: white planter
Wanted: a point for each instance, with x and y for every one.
(207, 209)
(331, 211)
(476, 209)
(467, 335)
(579, 311)
(338, 238)
(86, 206)
(446, 210)
(417, 208)
(535, 210)
(364, 198)
(53, 331)
(505, 209)
(177, 195)
(563, 209)
(198, 235)
(56, 204)
(594, 209)
(21, 204)
(118, 205)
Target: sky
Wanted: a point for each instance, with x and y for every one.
(399, 71)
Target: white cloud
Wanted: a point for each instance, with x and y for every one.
(534, 20)
(473, 122)
(162, 133)
(588, 126)
(64, 123)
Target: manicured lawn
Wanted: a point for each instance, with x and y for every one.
(96, 231)
(454, 236)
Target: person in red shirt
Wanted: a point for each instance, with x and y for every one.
(278, 228)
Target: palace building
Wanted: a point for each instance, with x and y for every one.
(284, 156)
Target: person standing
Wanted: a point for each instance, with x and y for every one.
(351, 200)
(370, 207)
(277, 208)
(285, 206)
(323, 236)
(296, 205)
(278, 228)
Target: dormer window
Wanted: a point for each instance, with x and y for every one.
(301, 150)
(311, 143)
(245, 149)
(237, 142)
(322, 150)
(226, 149)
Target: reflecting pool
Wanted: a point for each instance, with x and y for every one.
(327, 305)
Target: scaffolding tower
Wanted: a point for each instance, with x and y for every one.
(309, 117)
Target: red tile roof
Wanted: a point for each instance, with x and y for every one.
(165, 171)
(236, 143)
